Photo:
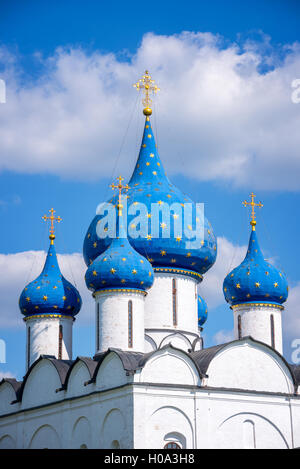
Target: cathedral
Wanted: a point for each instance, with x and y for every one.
(151, 382)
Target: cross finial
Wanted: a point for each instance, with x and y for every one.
(252, 205)
(120, 187)
(147, 85)
(52, 219)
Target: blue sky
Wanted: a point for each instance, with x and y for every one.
(69, 67)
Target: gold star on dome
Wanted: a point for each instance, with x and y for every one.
(113, 271)
(45, 297)
(150, 273)
(123, 280)
(173, 261)
(151, 155)
(257, 284)
(27, 298)
(160, 202)
(38, 287)
(95, 244)
(178, 239)
(134, 271)
(276, 284)
(55, 287)
(141, 261)
(149, 215)
(248, 295)
(163, 225)
(64, 298)
(123, 259)
(238, 285)
(147, 163)
(188, 254)
(149, 136)
(154, 172)
(142, 283)
(175, 215)
(149, 237)
(163, 253)
(94, 273)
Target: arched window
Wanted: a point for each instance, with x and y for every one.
(172, 445)
(239, 326)
(28, 347)
(272, 330)
(130, 333)
(60, 339)
(115, 444)
(97, 328)
(174, 301)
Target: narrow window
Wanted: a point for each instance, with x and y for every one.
(239, 326)
(272, 330)
(174, 301)
(172, 445)
(97, 328)
(130, 339)
(28, 347)
(60, 339)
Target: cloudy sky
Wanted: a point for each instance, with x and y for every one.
(227, 122)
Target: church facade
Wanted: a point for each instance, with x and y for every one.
(152, 383)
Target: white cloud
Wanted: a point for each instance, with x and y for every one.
(223, 336)
(7, 374)
(218, 117)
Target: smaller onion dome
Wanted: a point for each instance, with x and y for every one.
(255, 279)
(202, 311)
(120, 267)
(50, 293)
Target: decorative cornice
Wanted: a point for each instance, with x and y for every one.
(48, 316)
(119, 290)
(188, 273)
(265, 305)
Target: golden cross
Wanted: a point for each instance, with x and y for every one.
(52, 219)
(120, 187)
(252, 205)
(147, 85)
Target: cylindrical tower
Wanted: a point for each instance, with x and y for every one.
(256, 291)
(49, 304)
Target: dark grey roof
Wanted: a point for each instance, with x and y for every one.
(90, 364)
(204, 357)
(296, 372)
(133, 361)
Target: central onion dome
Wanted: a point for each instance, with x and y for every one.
(255, 279)
(119, 267)
(50, 294)
(165, 248)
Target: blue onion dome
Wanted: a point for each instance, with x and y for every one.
(202, 311)
(177, 251)
(255, 279)
(120, 267)
(50, 293)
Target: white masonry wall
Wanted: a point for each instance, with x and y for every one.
(159, 324)
(256, 322)
(113, 322)
(44, 338)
